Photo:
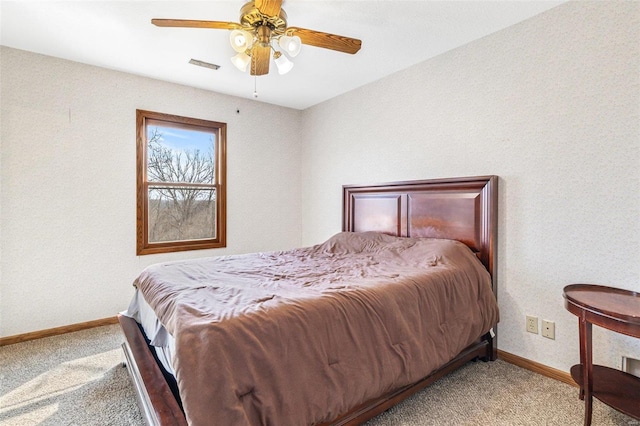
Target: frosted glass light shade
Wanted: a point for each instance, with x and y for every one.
(284, 65)
(291, 45)
(241, 40)
(241, 61)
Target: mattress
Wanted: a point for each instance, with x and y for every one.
(161, 341)
(301, 336)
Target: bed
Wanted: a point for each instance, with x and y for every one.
(254, 380)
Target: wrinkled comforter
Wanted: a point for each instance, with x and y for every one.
(299, 337)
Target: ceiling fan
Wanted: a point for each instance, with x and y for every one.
(263, 23)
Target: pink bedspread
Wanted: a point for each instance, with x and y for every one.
(299, 337)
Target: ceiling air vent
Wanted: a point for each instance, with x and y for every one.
(204, 64)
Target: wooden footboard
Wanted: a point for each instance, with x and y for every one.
(159, 406)
(157, 403)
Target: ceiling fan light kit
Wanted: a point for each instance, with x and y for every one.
(241, 61)
(262, 29)
(241, 40)
(284, 65)
(291, 45)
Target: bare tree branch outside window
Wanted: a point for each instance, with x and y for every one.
(179, 212)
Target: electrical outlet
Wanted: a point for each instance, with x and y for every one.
(549, 329)
(532, 324)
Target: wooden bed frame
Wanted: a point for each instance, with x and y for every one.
(463, 209)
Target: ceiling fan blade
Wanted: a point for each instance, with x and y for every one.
(326, 40)
(188, 23)
(260, 57)
(269, 7)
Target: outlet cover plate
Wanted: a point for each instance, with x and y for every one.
(631, 365)
(549, 329)
(532, 324)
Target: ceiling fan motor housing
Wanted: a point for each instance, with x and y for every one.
(252, 17)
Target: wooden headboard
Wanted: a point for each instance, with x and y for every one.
(463, 209)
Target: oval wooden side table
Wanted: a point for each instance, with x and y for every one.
(617, 310)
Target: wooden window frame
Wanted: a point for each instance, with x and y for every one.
(143, 246)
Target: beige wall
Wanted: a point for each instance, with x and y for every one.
(552, 106)
(68, 184)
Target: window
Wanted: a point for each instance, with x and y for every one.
(180, 183)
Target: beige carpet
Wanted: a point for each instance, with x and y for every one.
(78, 379)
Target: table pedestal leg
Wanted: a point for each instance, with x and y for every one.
(586, 359)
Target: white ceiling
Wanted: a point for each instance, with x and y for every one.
(119, 35)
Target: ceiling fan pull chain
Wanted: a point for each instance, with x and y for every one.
(255, 87)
